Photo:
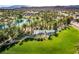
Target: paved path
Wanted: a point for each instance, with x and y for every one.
(75, 25)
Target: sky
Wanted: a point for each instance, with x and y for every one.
(39, 2)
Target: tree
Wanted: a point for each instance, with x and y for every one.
(20, 16)
(24, 26)
(55, 28)
(12, 32)
(77, 20)
(68, 21)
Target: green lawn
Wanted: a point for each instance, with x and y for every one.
(64, 43)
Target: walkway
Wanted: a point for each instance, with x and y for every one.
(75, 25)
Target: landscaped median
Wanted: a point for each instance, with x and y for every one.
(64, 43)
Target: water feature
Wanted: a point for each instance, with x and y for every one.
(3, 26)
(21, 22)
(18, 22)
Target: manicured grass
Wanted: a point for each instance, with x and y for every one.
(63, 44)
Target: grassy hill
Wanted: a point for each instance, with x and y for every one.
(63, 44)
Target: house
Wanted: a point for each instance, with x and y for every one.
(47, 32)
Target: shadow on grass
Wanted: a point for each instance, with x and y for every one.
(30, 39)
(6, 46)
(21, 42)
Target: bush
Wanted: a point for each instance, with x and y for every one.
(77, 20)
(50, 37)
(21, 43)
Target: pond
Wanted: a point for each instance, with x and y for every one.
(2, 26)
(21, 22)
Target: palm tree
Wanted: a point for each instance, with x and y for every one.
(24, 26)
